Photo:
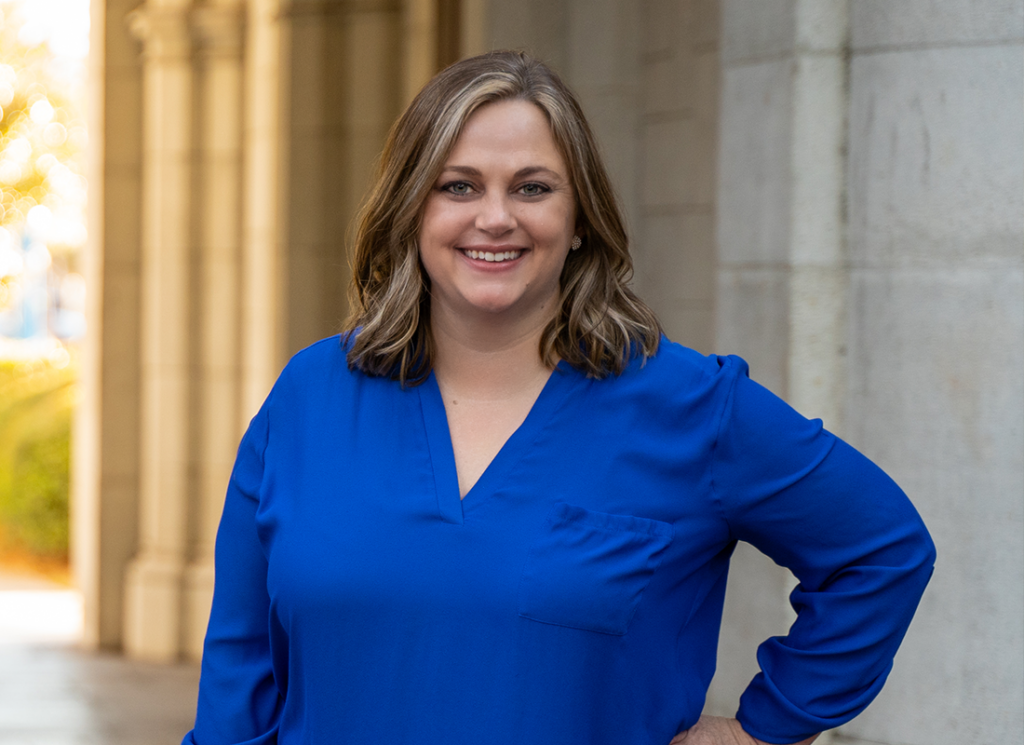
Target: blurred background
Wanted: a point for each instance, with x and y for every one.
(832, 189)
(42, 290)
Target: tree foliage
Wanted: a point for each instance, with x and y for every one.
(36, 402)
(41, 132)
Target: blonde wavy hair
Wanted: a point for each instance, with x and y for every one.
(602, 324)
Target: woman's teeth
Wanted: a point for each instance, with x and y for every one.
(490, 256)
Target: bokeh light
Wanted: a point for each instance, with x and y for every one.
(43, 48)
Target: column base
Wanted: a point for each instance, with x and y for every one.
(152, 609)
(198, 599)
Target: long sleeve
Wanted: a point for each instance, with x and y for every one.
(239, 699)
(855, 543)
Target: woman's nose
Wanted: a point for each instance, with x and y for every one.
(495, 215)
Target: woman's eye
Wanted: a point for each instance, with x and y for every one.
(459, 188)
(532, 190)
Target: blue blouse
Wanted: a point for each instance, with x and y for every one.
(575, 594)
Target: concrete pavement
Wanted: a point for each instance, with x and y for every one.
(52, 693)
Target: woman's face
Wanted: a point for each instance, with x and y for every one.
(497, 225)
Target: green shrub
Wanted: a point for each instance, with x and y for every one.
(36, 402)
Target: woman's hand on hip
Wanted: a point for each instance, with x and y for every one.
(720, 731)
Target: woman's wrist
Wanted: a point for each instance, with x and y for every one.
(722, 731)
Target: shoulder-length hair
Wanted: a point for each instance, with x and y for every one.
(601, 324)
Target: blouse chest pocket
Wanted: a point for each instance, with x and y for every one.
(588, 570)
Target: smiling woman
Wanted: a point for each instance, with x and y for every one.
(597, 322)
(500, 507)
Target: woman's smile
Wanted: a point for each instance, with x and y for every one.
(492, 255)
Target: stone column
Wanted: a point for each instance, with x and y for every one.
(364, 108)
(324, 84)
(419, 41)
(473, 27)
(219, 31)
(263, 250)
(106, 452)
(152, 627)
(340, 92)
(782, 276)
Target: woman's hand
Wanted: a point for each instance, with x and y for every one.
(720, 731)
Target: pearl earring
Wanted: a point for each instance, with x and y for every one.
(576, 242)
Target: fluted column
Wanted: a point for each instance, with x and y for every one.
(152, 627)
(263, 260)
(218, 31)
(105, 440)
(340, 92)
(419, 41)
(191, 320)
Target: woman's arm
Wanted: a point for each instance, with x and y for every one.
(858, 548)
(239, 698)
(721, 731)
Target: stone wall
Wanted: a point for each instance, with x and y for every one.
(920, 272)
(936, 390)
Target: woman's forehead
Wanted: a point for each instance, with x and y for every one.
(514, 133)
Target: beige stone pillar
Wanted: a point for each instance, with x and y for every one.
(429, 28)
(370, 63)
(473, 27)
(106, 454)
(340, 91)
(419, 45)
(263, 304)
(218, 31)
(153, 584)
(323, 82)
(309, 28)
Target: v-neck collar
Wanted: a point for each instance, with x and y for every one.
(442, 456)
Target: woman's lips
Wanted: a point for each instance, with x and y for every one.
(495, 255)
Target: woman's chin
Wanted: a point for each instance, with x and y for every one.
(491, 309)
(494, 310)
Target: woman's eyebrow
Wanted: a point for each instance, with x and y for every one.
(467, 170)
(533, 170)
(521, 173)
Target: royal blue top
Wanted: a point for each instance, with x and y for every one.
(575, 594)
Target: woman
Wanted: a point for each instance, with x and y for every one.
(501, 507)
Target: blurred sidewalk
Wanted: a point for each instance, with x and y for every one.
(51, 693)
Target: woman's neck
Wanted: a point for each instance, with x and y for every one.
(486, 361)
